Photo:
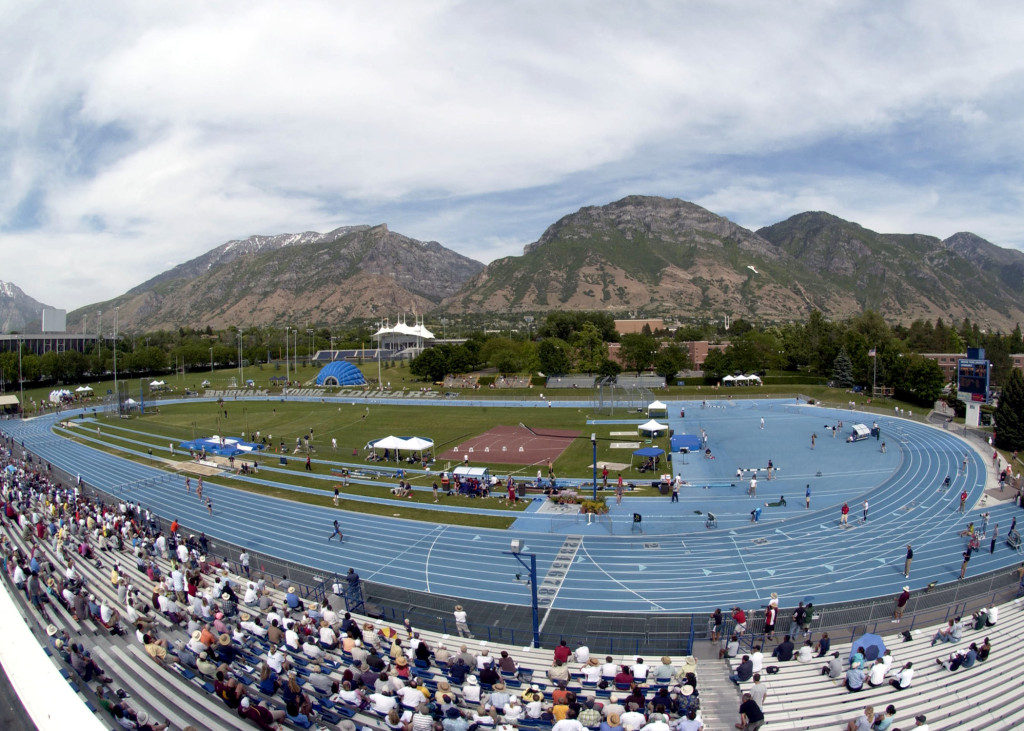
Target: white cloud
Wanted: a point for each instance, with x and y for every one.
(155, 131)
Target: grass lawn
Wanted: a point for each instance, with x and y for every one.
(115, 444)
(354, 425)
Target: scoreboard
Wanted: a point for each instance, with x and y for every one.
(972, 379)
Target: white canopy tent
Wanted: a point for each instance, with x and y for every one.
(418, 444)
(729, 379)
(753, 378)
(652, 428)
(657, 409)
(83, 389)
(58, 395)
(389, 442)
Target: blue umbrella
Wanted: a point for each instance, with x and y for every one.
(874, 646)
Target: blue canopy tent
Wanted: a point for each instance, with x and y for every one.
(646, 452)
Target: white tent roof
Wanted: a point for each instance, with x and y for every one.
(753, 377)
(390, 442)
(131, 402)
(653, 425)
(418, 443)
(729, 378)
(156, 383)
(82, 389)
(741, 377)
(657, 405)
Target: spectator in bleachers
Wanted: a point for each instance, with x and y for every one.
(835, 668)
(984, 650)
(758, 691)
(950, 633)
(205, 665)
(806, 652)
(560, 673)
(863, 722)
(689, 722)
(471, 690)
(751, 717)
(960, 659)
(744, 671)
(854, 679)
(904, 677)
(633, 718)
(876, 675)
(155, 648)
(883, 721)
(731, 649)
(986, 617)
(263, 717)
(640, 670)
(757, 659)
(824, 643)
(784, 650)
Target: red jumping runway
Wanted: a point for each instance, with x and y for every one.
(513, 445)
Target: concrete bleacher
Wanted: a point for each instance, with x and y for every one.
(640, 381)
(511, 382)
(570, 382)
(987, 696)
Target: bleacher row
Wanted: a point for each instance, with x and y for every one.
(987, 696)
(184, 698)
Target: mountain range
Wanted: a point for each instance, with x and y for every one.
(649, 255)
(18, 311)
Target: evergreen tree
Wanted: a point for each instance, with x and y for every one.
(1010, 413)
(842, 370)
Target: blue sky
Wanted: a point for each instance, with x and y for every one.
(136, 136)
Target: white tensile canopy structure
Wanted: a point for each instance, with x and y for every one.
(657, 409)
(83, 389)
(389, 442)
(418, 444)
(652, 428)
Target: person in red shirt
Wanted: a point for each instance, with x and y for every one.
(845, 513)
(174, 526)
(562, 652)
(771, 614)
(740, 618)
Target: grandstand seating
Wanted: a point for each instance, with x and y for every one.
(570, 382)
(986, 696)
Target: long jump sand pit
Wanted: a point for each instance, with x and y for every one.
(514, 445)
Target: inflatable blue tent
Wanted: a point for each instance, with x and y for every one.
(340, 373)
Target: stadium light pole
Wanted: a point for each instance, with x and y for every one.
(531, 568)
(593, 442)
(21, 379)
(287, 360)
(117, 396)
(241, 368)
(211, 360)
